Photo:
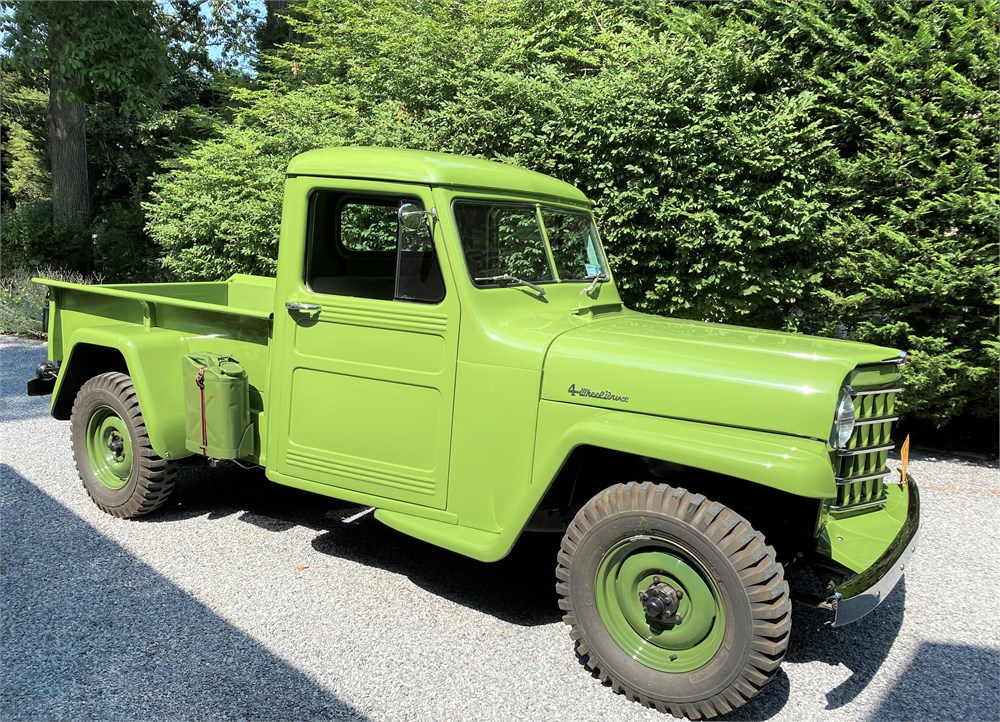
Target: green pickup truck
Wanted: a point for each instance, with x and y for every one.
(444, 342)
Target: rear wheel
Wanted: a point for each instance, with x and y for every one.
(119, 468)
(673, 599)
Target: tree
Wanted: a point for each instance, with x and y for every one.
(84, 49)
(146, 81)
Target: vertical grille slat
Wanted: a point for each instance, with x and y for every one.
(867, 493)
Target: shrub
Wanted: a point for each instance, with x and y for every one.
(123, 253)
(28, 239)
(820, 167)
(220, 214)
(22, 302)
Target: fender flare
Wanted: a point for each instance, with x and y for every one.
(795, 465)
(153, 358)
(791, 464)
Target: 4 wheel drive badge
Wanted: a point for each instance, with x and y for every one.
(606, 395)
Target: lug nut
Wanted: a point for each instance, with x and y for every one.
(656, 580)
(680, 594)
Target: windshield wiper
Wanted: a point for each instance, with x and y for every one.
(507, 278)
(594, 279)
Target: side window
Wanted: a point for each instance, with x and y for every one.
(356, 247)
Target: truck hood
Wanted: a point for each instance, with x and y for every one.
(706, 372)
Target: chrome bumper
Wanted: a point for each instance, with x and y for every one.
(860, 594)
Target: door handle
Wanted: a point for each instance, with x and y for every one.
(299, 306)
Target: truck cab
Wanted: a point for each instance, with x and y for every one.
(411, 358)
(444, 342)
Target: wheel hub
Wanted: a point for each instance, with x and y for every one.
(109, 448)
(660, 602)
(116, 446)
(659, 568)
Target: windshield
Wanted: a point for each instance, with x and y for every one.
(506, 241)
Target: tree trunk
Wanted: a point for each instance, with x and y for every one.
(275, 30)
(68, 146)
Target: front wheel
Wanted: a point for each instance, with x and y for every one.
(673, 599)
(119, 468)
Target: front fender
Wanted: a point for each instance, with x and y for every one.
(153, 358)
(795, 465)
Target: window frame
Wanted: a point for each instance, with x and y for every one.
(538, 206)
(344, 197)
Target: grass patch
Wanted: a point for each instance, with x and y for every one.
(22, 302)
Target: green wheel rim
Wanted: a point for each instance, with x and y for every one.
(627, 569)
(109, 448)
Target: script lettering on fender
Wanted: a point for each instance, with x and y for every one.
(605, 395)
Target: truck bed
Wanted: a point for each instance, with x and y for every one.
(147, 330)
(242, 295)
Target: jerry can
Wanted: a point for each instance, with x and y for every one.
(217, 406)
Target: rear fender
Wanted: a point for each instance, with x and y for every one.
(152, 357)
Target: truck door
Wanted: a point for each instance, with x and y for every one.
(369, 341)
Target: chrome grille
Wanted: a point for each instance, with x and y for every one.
(861, 467)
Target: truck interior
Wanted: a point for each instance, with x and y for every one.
(357, 247)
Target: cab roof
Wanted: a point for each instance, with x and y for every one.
(426, 167)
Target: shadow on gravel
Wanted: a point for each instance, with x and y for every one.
(945, 681)
(519, 589)
(90, 632)
(861, 647)
(227, 490)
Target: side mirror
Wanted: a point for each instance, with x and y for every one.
(412, 216)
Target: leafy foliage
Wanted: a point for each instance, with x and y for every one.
(151, 75)
(30, 240)
(91, 48)
(242, 172)
(827, 168)
(23, 169)
(915, 195)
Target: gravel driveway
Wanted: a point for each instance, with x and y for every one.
(247, 600)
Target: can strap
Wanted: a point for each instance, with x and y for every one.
(199, 381)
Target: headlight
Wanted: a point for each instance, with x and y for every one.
(843, 422)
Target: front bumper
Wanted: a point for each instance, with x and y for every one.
(857, 596)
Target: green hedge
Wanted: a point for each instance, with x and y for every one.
(828, 168)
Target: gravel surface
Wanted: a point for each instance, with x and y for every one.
(243, 599)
